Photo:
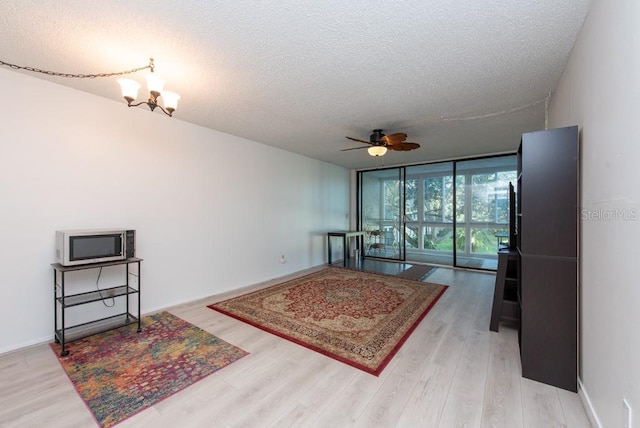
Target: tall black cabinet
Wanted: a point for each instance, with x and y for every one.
(547, 244)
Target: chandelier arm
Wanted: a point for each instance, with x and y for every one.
(138, 104)
(152, 106)
(168, 113)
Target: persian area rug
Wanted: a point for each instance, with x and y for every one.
(121, 372)
(356, 317)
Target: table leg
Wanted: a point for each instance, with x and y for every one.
(345, 247)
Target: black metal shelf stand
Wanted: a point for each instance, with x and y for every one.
(63, 333)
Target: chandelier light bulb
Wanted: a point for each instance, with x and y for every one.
(129, 89)
(170, 100)
(155, 84)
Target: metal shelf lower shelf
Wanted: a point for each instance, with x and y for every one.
(94, 327)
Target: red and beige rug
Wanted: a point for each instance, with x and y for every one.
(356, 317)
(121, 372)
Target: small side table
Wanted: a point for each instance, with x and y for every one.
(346, 236)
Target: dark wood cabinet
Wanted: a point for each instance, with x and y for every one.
(549, 192)
(548, 346)
(548, 212)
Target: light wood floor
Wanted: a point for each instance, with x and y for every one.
(451, 372)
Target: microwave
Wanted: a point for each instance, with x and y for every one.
(79, 247)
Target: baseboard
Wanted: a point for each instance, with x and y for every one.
(586, 402)
(208, 298)
(25, 345)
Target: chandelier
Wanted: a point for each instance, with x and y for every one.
(128, 87)
(155, 86)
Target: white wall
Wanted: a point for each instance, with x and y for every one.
(213, 212)
(600, 92)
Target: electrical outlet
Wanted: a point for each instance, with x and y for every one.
(627, 413)
(283, 259)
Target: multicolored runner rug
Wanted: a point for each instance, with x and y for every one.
(359, 318)
(121, 372)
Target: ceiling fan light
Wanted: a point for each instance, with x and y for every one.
(377, 150)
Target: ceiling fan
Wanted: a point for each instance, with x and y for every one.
(379, 143)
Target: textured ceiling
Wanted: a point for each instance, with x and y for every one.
(459, 77)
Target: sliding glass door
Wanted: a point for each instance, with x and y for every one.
(382, 207)
(430, 212)
(483, 223)
(448, 213)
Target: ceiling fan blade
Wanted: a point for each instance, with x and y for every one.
(354, 148)
(359, 141)
(394, 139)
(403, 147)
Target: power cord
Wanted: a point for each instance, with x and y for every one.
(104, 301)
